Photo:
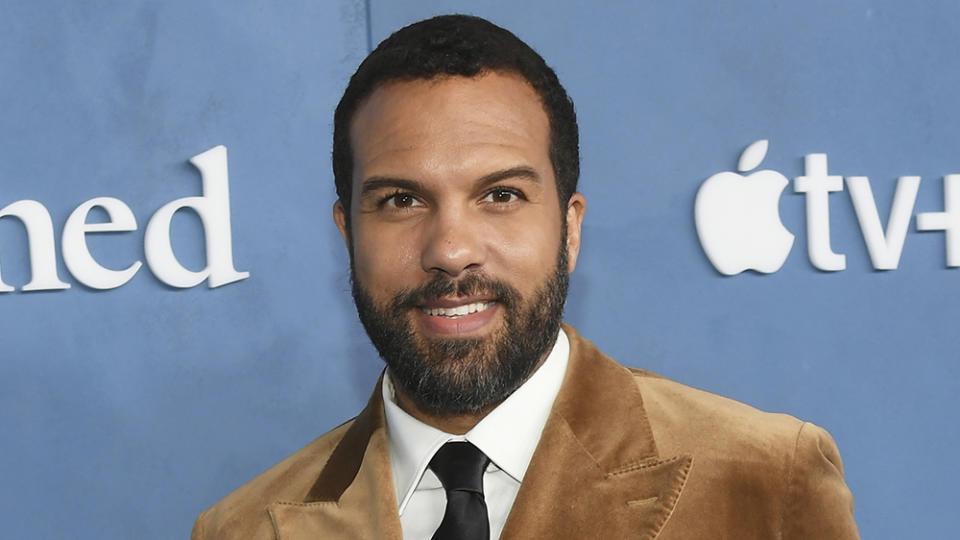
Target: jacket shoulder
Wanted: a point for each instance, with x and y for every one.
(771, 470)
(682, 416)
(243, 513)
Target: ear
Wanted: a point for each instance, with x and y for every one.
(340, 218)
(576, 207)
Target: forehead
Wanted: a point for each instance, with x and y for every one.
(450, 122)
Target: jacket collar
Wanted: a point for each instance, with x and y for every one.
(353, 496)
(595, 473)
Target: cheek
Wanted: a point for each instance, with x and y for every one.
(527, 252)
(383, 262)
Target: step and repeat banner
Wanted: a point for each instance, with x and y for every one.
(773, 214)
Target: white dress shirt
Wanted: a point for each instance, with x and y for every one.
(508, 436)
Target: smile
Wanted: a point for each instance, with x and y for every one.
(458, 311)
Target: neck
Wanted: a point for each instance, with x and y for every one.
(456, 424)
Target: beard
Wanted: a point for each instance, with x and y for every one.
(454, 376)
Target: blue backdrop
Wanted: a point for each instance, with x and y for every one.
(125, 412)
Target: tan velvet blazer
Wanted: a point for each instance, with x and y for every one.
(624, 454)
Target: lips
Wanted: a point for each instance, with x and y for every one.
(457, 316)
(457, 311)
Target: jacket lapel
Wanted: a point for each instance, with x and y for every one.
(596, 472)
(353, 497)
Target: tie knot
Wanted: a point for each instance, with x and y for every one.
(460, 465)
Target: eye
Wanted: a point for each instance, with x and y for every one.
(401, 200)
(503, 196)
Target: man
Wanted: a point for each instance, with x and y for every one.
(456, 164)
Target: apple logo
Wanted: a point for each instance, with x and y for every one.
(738, 219)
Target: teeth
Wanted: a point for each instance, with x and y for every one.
(458, 311)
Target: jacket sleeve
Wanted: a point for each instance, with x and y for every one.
(819, 504)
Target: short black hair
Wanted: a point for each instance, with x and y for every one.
(458, 45)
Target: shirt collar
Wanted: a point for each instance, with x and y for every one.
(508, 435)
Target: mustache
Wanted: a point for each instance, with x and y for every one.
(442, 285)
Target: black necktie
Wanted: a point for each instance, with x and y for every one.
(460, 466)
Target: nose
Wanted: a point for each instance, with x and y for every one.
(452, 244)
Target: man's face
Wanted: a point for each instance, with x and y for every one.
(459, 247)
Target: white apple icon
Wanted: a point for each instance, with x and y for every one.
(738, 218)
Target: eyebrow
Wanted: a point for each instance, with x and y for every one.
(524, 172)
(376, 183)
